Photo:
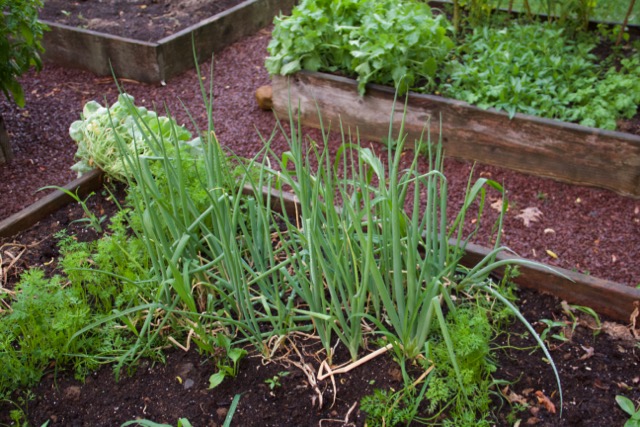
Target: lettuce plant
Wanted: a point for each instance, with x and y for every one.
(102, 129)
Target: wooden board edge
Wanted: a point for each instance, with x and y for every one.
(612, 299)
(338, 100)
(29, 216)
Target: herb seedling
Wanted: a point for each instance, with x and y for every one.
(560, 336)
(228, 364)
(91, 219)
(274, 381)
(628, 406)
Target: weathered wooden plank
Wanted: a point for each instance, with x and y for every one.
(98, 52)
(27, 217)
(6, 154)
(529, 144)
(214, 34)
(605, 297)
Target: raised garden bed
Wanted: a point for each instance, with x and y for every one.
(158, 61)
(542, 147)
(102, 402)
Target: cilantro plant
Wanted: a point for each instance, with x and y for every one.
(536, 69)
(20, 35)
(399, 43)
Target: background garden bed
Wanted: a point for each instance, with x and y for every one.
(158, 61)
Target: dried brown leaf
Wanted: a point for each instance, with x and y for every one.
(589, 352)
(546, 402)
(529, 215)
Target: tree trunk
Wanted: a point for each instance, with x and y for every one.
(5, 149)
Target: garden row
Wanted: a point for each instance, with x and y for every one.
(209, 247)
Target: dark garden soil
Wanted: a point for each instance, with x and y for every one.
(585, 229)
(143, 20)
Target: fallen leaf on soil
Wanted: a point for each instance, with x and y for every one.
(529, 215)
(513, 397)
(546, 402)
(533, 421)
(618, 331)
(497, 205)
(527, 391)
(633, 318)
(589, 351)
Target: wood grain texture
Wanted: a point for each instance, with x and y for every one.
(98, 52)
(604, 296)
(529, 144)
(53, 201)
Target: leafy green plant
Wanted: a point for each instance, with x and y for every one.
(43, 317)
(20, 35)
(536, 69)
(387, 408)
(629, 407)
(228, 362)
(550, 325)
(389, 42)
(274, 381)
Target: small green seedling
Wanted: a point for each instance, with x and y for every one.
(554, 324)
(570, 309)
(91, 219)
(627, 406)
(228, 364)
(274, 381)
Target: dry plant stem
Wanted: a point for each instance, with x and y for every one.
(4, 271)
(308, 371)
(625, 22)
(186, 347)
(423, 376)
(345, 422)
(324, 365)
